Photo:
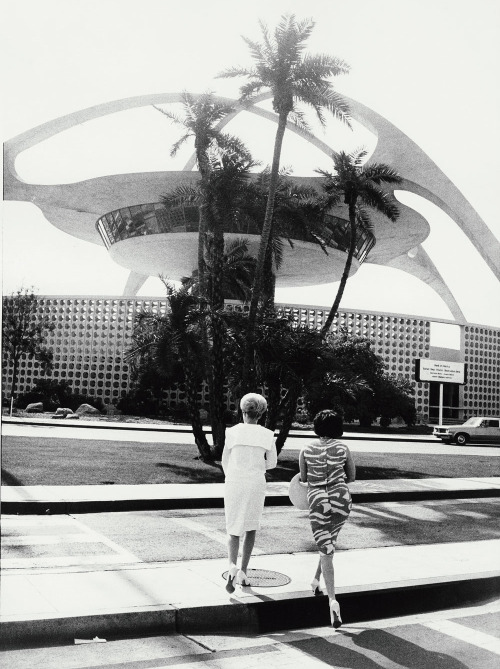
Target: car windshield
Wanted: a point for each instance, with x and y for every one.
(473, 422)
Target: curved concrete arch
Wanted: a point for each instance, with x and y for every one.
(422, 267)
(79, 200)
(423, 177)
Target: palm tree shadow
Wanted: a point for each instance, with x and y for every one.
(404, 652)
(194, 474)
(335, 653)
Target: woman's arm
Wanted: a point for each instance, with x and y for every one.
(303, 467)
(225, 459)
(271, 457)
(349, 467)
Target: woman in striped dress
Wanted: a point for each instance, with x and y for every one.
(327, 466)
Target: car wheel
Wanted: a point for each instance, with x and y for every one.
(461, 439)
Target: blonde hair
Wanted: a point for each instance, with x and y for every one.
(253, 404)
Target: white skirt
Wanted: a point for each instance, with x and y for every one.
(244, 504)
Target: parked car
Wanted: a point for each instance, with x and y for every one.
(478, 428)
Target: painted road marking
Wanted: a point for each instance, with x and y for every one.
(463, 633)
(83, 535)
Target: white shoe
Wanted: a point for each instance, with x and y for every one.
(242, 579)
(335, 618)
(315, 587)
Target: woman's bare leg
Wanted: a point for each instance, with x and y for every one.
(326, 563)
(233, 546)
(317, 575)
(246, 552)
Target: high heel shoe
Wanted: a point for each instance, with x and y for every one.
(231, 575)
(335, 619)
(242, 579)
(315, 587)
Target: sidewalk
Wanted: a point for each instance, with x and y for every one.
(99, 498)
(58, 604)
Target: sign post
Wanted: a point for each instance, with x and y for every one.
(440, 404)
(440, 371)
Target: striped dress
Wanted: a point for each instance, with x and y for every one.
(327, 492)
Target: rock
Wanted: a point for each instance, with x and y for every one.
(87, 409)
(35, 407)
(73, 416)
(63, 412)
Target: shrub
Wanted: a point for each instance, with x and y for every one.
(54, 394)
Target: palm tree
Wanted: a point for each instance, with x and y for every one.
(354, 183)
(201, 116)
(173, 344)
(293, 77)
(237, 272)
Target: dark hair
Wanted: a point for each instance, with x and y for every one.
(328, 424)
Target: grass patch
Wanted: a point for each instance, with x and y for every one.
(64, 461)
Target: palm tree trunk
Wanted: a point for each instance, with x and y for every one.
(264, 241)
(345, 273)
(194, 411)
(269, 282)
(204, 168)
(273, 401)
(292, 399)
(218, 409)
(15, 372)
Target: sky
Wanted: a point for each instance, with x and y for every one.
(430, 66)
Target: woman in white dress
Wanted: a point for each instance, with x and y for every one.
(249, 451)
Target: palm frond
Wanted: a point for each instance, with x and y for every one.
(177, 145)
(378, 199)
(182, 195)
(321, 65)
(169, 114)
(382, 173)
(358, 157)
(363, 219)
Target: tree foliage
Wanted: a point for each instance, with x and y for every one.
(296, 79)
(359, 187)
(24, 332)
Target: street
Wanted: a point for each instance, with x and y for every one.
(159, 536)
(460, 638)
(366, 445)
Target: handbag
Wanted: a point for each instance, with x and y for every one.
(297, 491)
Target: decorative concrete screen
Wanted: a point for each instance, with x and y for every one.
(92, 335)
(481, 395)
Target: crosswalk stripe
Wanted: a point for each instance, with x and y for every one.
(61, 561)
(46, 540)
(467, 634)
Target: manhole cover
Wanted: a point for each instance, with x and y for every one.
(263, 578)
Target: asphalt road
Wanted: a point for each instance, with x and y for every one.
(162, 536)
(411, 444)
(465, 638)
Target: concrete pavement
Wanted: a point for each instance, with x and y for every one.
(99, 498)
(57, 604)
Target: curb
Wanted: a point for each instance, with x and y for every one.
(40, 507)
(253, 617)
(186, 430)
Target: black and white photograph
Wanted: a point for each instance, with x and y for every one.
(250, 334)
